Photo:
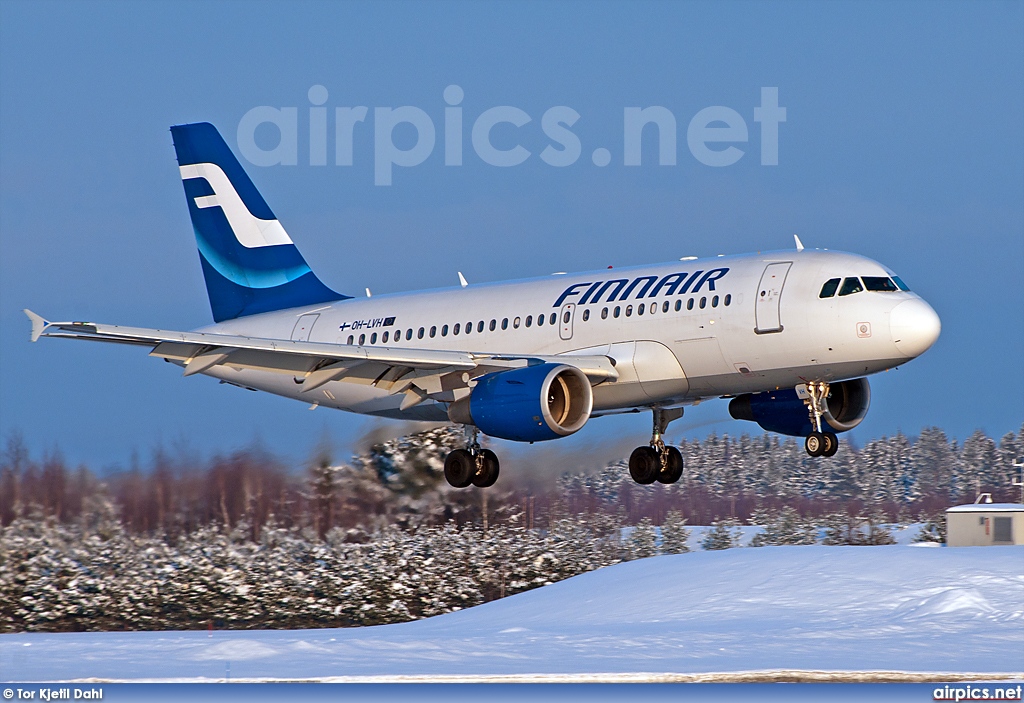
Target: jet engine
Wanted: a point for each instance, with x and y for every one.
(784, 412)
(531, 404)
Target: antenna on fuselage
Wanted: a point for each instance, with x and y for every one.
(462, 280)
(368, 293)
(799, 244)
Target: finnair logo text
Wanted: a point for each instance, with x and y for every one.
(649, 286)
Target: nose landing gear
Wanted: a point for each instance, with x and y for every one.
(657, 462)
(819, 443)
(472, 465)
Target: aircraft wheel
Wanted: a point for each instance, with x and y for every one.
(460, 468)
(644, 465)
(815, 444)
(488, 474)
(831, 444)
(673, 469)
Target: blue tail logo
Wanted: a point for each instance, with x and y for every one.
(249, 262)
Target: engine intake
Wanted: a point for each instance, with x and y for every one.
(531, 404)
(782, 411)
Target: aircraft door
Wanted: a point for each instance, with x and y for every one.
(304, 326)
(565, 316)
(769, 295)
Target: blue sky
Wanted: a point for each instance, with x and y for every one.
(904, 141)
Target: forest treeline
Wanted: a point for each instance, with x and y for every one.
(400, 483)
(245, 541)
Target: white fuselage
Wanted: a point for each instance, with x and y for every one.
(773, 333)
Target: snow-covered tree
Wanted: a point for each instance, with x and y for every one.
(674, 534)
(724, 534)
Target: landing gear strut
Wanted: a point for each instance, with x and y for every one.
(472, 465)
(819, 443)
(657, 462)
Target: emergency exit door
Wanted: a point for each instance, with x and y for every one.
(769, 295)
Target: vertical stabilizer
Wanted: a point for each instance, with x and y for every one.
(249, 262)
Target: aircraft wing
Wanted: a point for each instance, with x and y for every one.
(418, 373)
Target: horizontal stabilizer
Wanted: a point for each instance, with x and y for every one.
(38, 324)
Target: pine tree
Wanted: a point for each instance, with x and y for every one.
(934, 528)
(674, 534)
(782, 527)
(643, 540)
(724, 534)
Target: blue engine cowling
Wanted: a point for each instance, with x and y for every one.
(782, 411)
(531, 404)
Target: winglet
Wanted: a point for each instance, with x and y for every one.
(799, 244)
(38, 324)
(462, 280)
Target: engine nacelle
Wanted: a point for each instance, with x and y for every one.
(782, 411)
(531, 404)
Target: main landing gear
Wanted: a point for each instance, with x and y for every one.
(657, 462)
(819, 443)
(472, 465)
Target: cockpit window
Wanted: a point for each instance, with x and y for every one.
(850, 286)
(900, 284)
(879, 283)
(829, 289)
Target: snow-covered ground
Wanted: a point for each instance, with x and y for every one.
(806, 608)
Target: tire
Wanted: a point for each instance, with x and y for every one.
(831, 444)
(459, 468)
(815, 444)
(673, 469)
(489, 474)
(644, 465)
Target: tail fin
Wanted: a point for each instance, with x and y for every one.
(249, 262)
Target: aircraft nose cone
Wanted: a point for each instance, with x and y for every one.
(914, 327)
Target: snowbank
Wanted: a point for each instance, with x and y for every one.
(806, 608)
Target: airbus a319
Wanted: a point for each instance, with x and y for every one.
(788, 337)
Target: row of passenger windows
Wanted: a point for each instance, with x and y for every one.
(853, 285)
(540, 321)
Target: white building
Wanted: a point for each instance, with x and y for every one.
(985, 524)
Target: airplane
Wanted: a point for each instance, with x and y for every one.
(788, 337)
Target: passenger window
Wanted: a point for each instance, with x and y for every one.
(384, 339)
(529, 320)
(554, 318)
(728, 299)
(433, 332)
(491, 327)
(881, 284)
(851, 286)
(664, 306)
(604, 313)
(565, 318)
(689, 304)
(419, 334)
(373, 338)
(829, 289)
(351, 340)
(586, 314)
(703, 303)
(900, 284)
(515, 323)
(480, 326)
(714, 302)
(504, 323)
(679, 305)
(616, 312)
(444, 331)
(455, 330)
(640, 309)
(540, 320)
(362, 339)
